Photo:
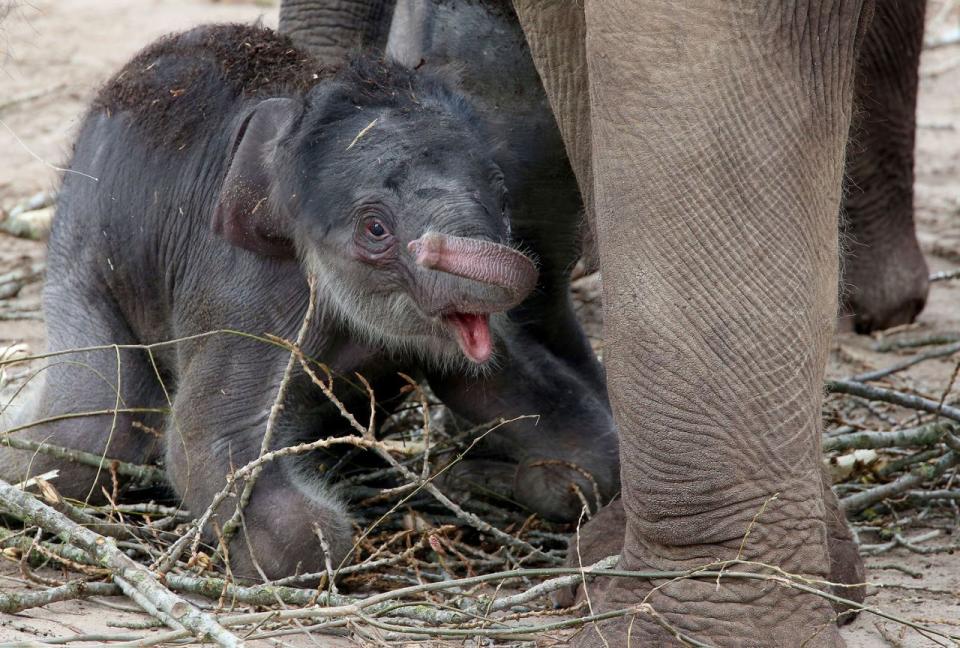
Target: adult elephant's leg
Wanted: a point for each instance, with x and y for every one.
(329, 29)
(884, 272)
(718, 145)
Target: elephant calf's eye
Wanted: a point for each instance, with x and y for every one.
(376, 229)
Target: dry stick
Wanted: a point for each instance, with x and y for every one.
(935, 494)
(899, 465)
(890, 396)
(231, 526)
(13, 314)
(257, 595)
(546, 587)
(860, 501)
(73, 415)
(895, 343)
(141, 474)
(113, 426)
(782, 578)
(352, 569)
(12, 282)
(944, 275)
(56, 501)
(944, 41)
(29, 96)
(141, 347)
(469, 518)
(129, 575)
(460, 456)
(943, 351)
(376, 603)
(923, 435)
(898, 540)
(13, 602)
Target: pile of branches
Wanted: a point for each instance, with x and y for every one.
(893, 449)
(425, 566)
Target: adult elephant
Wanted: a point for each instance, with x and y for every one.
(709, 141)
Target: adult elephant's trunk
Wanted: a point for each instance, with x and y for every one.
(501, 276)
(329, 29)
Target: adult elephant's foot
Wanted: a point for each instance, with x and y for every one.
(742, 613)
(737, 611)
(885, 287)
(846, 565)
(603, 536)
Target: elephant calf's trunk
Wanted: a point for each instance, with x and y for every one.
(479, 260)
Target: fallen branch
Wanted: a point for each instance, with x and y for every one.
(923, 435)
(859, 501)
(890, 396)
(13, 602)
(29, 96)
(951, 38)
(945, 275)
(148, 475)
(11, 283)
(469, 518)
(944, 351)
(896, 343)
(129, 575)
(363, 608)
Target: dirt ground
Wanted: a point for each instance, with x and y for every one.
(54, 53)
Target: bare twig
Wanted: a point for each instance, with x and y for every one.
(941, 352)
(896, 343)
(129, 575)
(13, 602)
(924, 435)
(12, 282)
(139, 473)
(945, 275)
(469, 518)
(895, 397)
(859, 501)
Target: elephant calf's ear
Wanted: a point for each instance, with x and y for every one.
(244, 214)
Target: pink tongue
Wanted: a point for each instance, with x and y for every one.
(473, 335)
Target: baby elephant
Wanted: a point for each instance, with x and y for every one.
(212, 175)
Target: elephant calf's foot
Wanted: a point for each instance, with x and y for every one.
(560, 489)
(285, 533)
(555, 489)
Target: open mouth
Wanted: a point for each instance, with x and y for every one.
(473, 334)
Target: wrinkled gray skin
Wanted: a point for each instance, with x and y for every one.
(884, 273)
(481, 48)
(709, 139)
(546, 366)
(208, 220)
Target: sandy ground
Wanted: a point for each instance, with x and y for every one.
(54, 53)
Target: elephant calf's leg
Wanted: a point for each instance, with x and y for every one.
(282, 523)
(564, 452)
(217, 428)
